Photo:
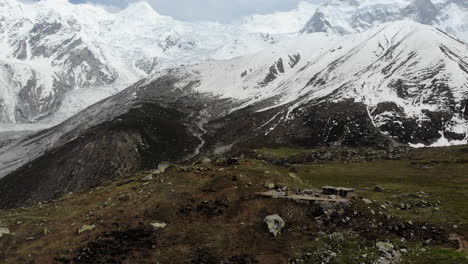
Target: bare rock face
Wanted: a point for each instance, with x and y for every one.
(422, 11)
(274, 224)
(318, 23)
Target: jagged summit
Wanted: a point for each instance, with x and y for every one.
(347, 17)
(318, 23)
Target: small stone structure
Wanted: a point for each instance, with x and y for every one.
(339, 191)
(328, 194)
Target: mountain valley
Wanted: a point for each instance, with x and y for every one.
(156, 142)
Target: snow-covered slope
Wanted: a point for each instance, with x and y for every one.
(52, 52)
(406, 73)
(50, 48)
(350, 16)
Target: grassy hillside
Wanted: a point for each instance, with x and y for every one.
(213, 214)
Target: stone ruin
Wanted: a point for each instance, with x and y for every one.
(339, 191)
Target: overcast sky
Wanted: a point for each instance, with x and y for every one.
(215, 10)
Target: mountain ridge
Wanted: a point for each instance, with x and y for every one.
(345, 17)
(319, 90)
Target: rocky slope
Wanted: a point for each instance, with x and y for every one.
(210, 212)
(400, 83)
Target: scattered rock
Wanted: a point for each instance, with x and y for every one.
(86, 228)
(274, 224)
(388, 253)
(270, 185)
(158, 225)
(366, 201)
(378, 189)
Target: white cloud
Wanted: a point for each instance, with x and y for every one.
(213, 10)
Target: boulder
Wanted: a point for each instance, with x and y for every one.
(86, 228)
(148, 178)
(274, 224)
(206, 161)
(4, 231)
(158, 225)
(384, 247)
(378, 189)
(163, 166)
(366, 201)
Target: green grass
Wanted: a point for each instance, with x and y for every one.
(437, 256)
(279, 153)
(446, 180)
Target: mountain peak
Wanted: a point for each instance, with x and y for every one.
(142, 8)
(423, 11)
(318, 23)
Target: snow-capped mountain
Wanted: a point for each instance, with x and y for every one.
(399, 83)
(51, 48)
(57, 58)
(350, 16)
(406, 73)
(280, 22)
